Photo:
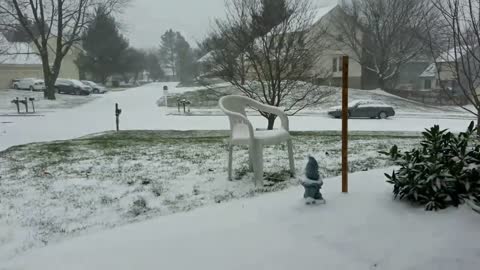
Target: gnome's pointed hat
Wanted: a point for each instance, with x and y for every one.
(311, 171)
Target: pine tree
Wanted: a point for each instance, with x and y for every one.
(177, 55)
(153, 66)
(168, 52)
(185, 60)
(104, 47)
(273, 13)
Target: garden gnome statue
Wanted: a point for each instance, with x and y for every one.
(312, 183)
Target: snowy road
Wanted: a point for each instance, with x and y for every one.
(141, 112)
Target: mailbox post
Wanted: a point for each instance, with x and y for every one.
(17, 103)
(33, 104)
(118, 111)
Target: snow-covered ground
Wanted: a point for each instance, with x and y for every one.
(365, 229)
(42, 105)
(141, 112)
(51, 192)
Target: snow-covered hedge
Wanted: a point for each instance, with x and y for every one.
(443, 172)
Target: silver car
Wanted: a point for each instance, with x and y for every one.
(96, 88)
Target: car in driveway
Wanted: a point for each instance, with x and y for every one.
(96, 87)
(31, 84)
(72, 87)
(364, 109)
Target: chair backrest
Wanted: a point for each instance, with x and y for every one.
(234, 107)
(234, 104)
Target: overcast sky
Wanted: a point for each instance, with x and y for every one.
(146, 20)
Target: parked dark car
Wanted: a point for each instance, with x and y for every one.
(365, 109)
(72, 87)
(96, 88)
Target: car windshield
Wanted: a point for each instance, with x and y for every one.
(89, 83)
(357, 103)
(78, 83)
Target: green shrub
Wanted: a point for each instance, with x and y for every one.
(443, 172)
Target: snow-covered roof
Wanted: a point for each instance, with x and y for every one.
(206, 58)
(17, 53)
(452, 54)
(431, 71)
(322, 11)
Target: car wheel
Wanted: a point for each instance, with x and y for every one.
(382, 115)
(78, 92)
(96, 91)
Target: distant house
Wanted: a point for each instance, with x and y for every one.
(441, 74)
(429, 78)
(329, 63)
(169, 74)
(360, 77)
(17, 60)
(21, 60)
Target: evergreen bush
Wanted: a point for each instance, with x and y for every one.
(444, 171)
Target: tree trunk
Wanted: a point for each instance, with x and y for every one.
(381, 83)
(271, 121)
(49, 92)
(49, 79)
(478, 122)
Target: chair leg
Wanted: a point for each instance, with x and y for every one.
(257, 153)
(230, 161)
(290, 158)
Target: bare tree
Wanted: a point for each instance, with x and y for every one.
(382, 35)
(461, 60)
(273, 68)
(3, 27)
(62, 21)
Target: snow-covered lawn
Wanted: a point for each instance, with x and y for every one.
(365, 229)
(53, 191)
(140, 112)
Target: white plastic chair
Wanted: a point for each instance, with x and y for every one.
(243, 133)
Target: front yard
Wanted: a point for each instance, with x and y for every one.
(52, 191)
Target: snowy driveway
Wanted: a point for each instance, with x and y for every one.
(140, 112)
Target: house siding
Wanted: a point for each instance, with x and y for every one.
(10, 72)
(68, 69)
(329, 48)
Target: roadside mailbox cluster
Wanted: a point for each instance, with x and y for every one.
(24, 102)
(185, 104)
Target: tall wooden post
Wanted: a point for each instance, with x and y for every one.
(345, 115)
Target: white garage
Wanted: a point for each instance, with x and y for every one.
(18, 60)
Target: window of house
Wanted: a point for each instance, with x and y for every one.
(428, 84)
(337, 64)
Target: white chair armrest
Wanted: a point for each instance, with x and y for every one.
(272, 110)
